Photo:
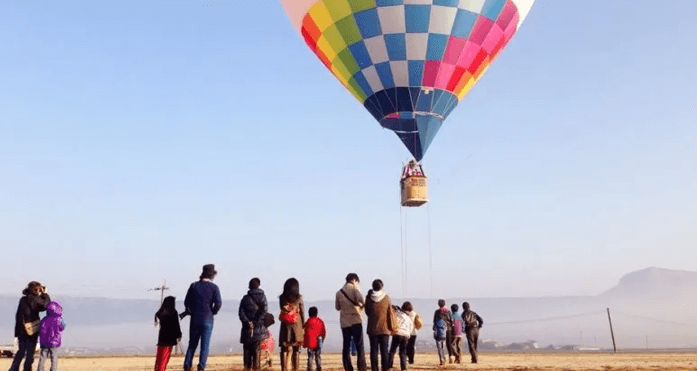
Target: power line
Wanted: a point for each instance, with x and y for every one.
(655, 319)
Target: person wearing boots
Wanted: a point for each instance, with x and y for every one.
(202, 302)
(292, 320)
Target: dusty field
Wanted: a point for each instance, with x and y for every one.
(654, 361)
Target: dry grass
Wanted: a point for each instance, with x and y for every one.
(648, 361)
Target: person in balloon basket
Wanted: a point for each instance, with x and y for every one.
(400, 336)
(292, 318)
(202, 302)
(253, 312)
(473, 322)
(418, 323)
(442, 324)
(350, 302)
(52, 327)
(315, 333)
(27, 323)
(378, 308)
(170, 332)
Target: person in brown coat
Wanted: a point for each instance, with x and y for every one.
(292, 319)
(378, 308)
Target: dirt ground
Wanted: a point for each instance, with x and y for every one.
(654, 361)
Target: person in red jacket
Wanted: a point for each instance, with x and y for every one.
(315, 332)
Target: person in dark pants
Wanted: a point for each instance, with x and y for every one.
(202, 302)
(33, 302)
(349, 302)
(472, 325)
(401, 335)
(378, 308)
(418, 323)
(252, 312)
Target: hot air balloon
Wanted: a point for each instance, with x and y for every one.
(409, 62)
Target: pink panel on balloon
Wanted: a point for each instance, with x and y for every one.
(469, 52)
(480, 30)
(430, 73)
(507, 13)
(454, 49)
(444, 75)
(492, 39)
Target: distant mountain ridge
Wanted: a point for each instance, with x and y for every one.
(654, 283)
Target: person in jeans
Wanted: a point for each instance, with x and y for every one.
(252, 312)
(34, 301)
(442, 331)
(52, 327)
(349, 302)
(315, 333)
(378, 308)
(202, 302)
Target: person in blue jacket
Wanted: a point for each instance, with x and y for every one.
(202, 302)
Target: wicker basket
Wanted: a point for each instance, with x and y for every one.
(414, 191)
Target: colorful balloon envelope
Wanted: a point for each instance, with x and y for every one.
(409, 62)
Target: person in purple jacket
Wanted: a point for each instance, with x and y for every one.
(202, 302)
(52, 327)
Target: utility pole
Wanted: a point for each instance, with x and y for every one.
(612, 333)
(161, 289)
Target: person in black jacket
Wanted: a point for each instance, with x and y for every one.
(472, 325)
(30, 305)
(252, 312)
(170, 332)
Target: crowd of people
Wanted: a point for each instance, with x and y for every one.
(386, 321)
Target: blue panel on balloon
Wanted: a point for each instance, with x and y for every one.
(373, 108)
(416, 72)
(417, 17)
(451, 107)
(361, 55)
(413, 144)
(451, 3)
(440, 100)
(400, 125)
(492, 8)
(428, 127)
(424, 103)
(392, 94)
(368, 23)
(403, 100)
(414, 92)
(396, 46)
(385, 103)
(464, 22)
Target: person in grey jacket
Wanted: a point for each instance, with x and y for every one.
(349, 302)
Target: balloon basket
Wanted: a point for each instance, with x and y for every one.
(414, 191)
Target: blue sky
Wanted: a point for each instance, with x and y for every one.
(141, 141)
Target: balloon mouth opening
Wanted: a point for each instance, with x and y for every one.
(410, 115)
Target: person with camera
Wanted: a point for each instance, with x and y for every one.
(27, 323)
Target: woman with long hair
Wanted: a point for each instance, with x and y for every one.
(292, 319)
(35, 300)
(170, 332)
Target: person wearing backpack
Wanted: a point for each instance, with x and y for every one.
(252, 313)
(442, 322)
(292, 320)
(418, 323)
(457, 332)
(401, 335)
(472, 323)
